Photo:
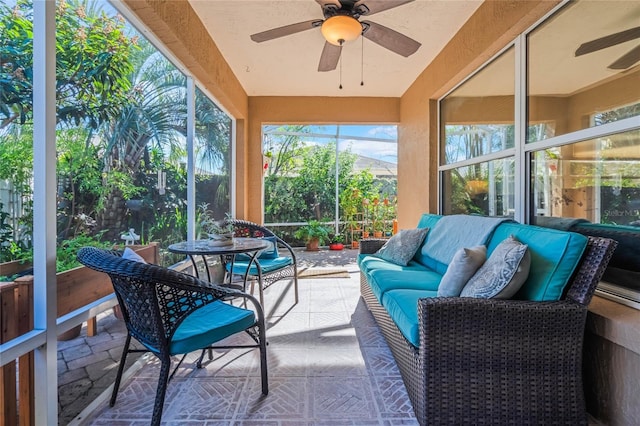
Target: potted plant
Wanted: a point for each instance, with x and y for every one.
(313, 233)
(337, 242)
(220, 232)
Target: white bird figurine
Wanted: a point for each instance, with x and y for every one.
(130, 237)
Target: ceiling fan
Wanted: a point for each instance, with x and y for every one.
(341, 24)
(625, 61)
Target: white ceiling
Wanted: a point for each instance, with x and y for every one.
(287, 66)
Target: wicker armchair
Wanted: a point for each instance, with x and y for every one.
(172, 313)
(265, 271)
(487, 361)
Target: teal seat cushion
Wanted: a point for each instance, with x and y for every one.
(429, 221)
(209, 324)
(382, 281)
(370, 263)
(267, 265)
(554, 257)
(402, 306)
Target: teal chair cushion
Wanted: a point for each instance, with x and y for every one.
(382, 281)
(554, 256)
(209, 324)
(270, 252)
(402, 306)
(267, 265)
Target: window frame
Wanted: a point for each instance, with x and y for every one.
(524, 151)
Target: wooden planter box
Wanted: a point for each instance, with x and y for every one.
(81, 286)
(76, 287)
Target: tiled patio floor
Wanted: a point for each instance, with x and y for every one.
(328, 365)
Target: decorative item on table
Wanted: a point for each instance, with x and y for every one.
(219, 232)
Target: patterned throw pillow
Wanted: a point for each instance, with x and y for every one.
(401, 248)
(502, 274)
(464, 264)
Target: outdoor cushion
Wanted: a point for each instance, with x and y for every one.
(209, 324)
(464, 264)
(382, 281)
(368, 263)
(401, 248)
(270, 252)
(427, 221)
(402, 306)
(267, 265)
(132, 255)
(502, 274)
(554, 256)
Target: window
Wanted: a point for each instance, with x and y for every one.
(477, 117)
(304, 181)
(477, 125)
(581, 149)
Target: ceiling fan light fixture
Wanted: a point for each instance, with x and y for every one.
(341, 28)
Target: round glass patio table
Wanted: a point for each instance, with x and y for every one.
(204, 248)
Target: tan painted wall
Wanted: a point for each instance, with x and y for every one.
(305, 110)
(493, 26)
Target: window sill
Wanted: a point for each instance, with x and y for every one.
(615, 322)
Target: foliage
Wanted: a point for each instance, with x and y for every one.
(314, 229)
(299, 183)
(92, 62)
(336, 238)
(67, 250)
(207, 224)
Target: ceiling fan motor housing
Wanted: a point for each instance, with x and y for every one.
(341, 28)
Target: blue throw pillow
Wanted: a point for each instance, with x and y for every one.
(401, 248)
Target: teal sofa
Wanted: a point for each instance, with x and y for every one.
(489, 361)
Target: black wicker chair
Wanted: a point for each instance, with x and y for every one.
(265, 272)
(488, 361)
(164, 310)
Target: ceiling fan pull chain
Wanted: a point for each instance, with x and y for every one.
(340, 87)
(362, 63)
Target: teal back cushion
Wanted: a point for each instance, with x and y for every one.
(554, 257)
(428, 221)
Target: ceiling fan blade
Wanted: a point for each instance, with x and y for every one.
(285, 31)
(607, 41)
(376, 6)
(626, 61)
(390, 39)
(330, 57)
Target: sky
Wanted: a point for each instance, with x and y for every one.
(373, 141)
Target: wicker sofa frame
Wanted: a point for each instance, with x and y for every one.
(487, 361)
(244, 228)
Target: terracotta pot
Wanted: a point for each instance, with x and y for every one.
(336, 246)
(365, 234)
(355, 244)
(313, 245)
(377, 234)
